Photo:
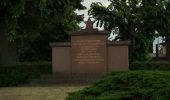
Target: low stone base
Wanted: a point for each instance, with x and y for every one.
(57, 79)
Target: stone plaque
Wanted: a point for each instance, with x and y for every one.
(88, 54)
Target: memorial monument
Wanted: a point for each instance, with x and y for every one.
(89, 52)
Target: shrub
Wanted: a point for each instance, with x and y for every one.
(20, 73)
(154, 65)
(134, 85)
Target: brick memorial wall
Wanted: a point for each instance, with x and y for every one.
(89, 52)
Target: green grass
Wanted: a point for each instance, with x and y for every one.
(38, 93)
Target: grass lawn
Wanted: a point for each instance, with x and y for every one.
(38, 93)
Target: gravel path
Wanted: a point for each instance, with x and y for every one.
(58, 92)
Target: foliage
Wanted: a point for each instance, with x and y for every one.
(20, 73)
(151, 65)
(38, 8)
(134, 20)
(134, 85)
(32, 24)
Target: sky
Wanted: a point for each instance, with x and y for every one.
(87, 4)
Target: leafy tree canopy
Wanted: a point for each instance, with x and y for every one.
(32, 24)
(40, 11)
(134, 20)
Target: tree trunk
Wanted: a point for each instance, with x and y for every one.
(168, 47)
(8, 54)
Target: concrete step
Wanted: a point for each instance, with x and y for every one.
(66, 79)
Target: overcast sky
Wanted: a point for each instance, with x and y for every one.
(87, 4)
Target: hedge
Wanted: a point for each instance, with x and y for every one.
(132, 85)
(20, 73)
(153, 65)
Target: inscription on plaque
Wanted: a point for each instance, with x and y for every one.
(89, 51)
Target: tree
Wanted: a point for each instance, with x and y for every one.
(32, 24)
(134, 20)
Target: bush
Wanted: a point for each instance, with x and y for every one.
(154, 65)
(134, 85)
(21, 73)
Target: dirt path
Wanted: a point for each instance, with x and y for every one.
(38, 93)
